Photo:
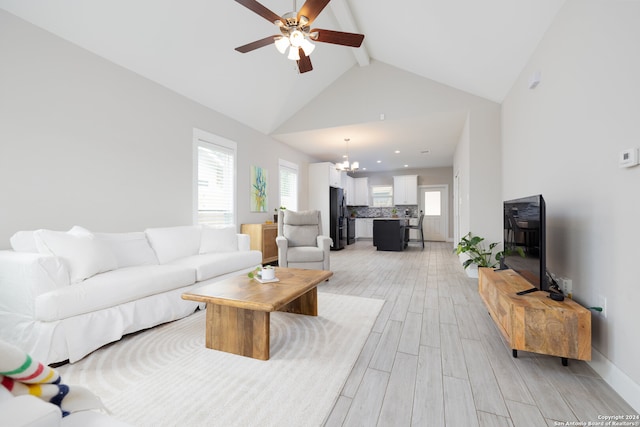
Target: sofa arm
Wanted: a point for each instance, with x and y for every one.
(244, 242)
(27, 410)
(283, 246)
(25, 275)
(324, 242)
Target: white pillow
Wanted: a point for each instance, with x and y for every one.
(84, 256)
(221, 238)
(171, 243)
(129, 248)
(23, 241)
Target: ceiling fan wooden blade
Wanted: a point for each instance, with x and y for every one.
(256, 44)
(312, 8)
(261, 10)
(304, 63)
(337, 37)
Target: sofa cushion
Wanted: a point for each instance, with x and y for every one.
(305, 254)
(25, 241)
(111, 289)
(300, 228)
(218, 239)
(300, 218)
(171, 243)
(129, 248)
(300, 235)
(83, 255)
(216, 264)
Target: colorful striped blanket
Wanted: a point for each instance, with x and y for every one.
(20, 374)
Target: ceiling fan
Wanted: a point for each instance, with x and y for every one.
(296, 33)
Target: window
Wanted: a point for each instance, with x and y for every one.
(382, 195)
(215, 179)
(432, 203)
(288, 185)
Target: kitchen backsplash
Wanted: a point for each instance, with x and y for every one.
(372, 212)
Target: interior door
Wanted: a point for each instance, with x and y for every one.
(434, 204)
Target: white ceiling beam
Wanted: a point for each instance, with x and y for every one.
(345, 19)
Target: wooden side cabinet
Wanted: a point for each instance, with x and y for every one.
(263, 238)
(534, 322)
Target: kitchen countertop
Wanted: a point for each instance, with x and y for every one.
(385, 217)
(391, 218)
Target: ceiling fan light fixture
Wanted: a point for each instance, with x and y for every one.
(307, 47)
(282, 44)
(296, 38)
(294, 55)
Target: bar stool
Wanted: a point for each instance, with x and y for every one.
(419, 228)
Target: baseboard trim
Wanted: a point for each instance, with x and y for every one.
(618, 380)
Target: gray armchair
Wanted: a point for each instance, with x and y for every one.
(300, 240)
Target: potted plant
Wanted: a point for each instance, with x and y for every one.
(394, 213)
(478, 254)
(266, 272)
(275, 215)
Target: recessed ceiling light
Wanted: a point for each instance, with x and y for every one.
(406, 166)
(379, 161)
(364, 169)
(397, 151)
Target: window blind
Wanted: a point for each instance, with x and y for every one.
(216, 174)
(382, 195)
(289, 185)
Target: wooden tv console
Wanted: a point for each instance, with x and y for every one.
(534, 322)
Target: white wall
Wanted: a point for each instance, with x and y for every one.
(461, 196)
(84, 141)
(562, 139)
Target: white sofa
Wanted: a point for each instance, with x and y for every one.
(66, 294)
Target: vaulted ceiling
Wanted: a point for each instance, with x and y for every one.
(188, 47)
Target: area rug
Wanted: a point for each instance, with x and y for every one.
(166, 377)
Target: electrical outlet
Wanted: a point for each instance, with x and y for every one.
(567, 287)
(602, 302)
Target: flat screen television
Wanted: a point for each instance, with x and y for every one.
(525, 239)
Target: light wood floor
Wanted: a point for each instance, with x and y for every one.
(435, 358)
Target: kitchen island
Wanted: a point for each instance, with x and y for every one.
(390, 234)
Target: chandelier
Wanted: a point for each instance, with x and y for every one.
(345, 165)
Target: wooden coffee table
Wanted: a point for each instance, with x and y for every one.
(238, 309)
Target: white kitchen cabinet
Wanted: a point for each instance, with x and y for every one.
(349, 190)
(335, 176)
(405, 190)
(326, 174)
(364, 228)
(361, 191)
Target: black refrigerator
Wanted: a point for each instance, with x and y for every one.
(337, 220)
